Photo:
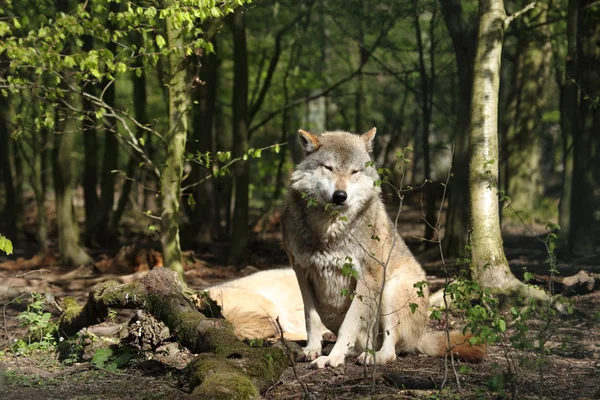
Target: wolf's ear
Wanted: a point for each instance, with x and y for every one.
(368, 138)
(309, 142)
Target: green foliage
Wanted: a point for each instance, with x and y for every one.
(111, 359)
(6, 245)
(41, 330)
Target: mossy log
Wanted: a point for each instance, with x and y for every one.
(226, 367)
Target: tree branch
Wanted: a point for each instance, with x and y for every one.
(516, 15)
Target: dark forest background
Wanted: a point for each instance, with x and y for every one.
(105, 104)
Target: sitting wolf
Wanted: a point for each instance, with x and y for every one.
(352, 267)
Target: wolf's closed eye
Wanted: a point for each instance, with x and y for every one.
(327, 167)
(356, 171)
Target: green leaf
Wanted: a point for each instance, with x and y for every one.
(502, 325)
(160, 41)
(6, 245)
(101, 357)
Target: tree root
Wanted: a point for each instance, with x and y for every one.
(515, 288)
(227, 368)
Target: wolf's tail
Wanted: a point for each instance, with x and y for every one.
(435, 344)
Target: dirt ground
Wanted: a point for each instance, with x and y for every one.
(571, 367)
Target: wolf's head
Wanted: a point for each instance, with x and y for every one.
(336, 168)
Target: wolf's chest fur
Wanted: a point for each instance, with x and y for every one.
(331, 283)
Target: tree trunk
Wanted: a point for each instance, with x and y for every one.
(568, 119)
(10, 207)
(175, 139)
(38, 143)
(426, 112)
(363, 56)
(524, 138)
(489, 266)
(110, 160)
(68, 234)
(222, 184)
(203, 121)
(240, 228)
(463, 37)
(583, 202)
(90, 159)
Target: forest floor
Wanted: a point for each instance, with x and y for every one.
(569, 370)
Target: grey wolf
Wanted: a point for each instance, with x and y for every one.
(355, 273)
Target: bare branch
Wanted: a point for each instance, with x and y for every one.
(516, 15)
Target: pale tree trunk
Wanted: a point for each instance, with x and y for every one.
(460, 25)
(175, 138)
(240, 229)
(584, 205)
(524, 147)
(568, 119)
(489, 266)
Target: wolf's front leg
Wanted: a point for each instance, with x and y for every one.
(312, 318)
(355, 321)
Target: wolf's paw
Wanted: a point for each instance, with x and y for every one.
(324, 361)
(380, 358)
(311, 353)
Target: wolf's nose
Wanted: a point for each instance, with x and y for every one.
(339, 196)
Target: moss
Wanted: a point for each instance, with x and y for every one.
(226, 386)
(268, 365)
(206, 365)
(71, 310)
(119, 295)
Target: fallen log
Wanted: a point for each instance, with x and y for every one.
(225, 368)
(582, 282)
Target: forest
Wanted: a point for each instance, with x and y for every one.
(142, 134)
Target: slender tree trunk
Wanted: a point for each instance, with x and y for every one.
(110, 160)
(38, 143)
(222, 192)
(488, 262)
(426, 112)
(203, 121)
(68, 234)
(359, 99)
(583, 203)
(90, 159)
(10, 207)
(463, 37)
(568, 118)
(175, 139)
(40, 197)
(240, 228)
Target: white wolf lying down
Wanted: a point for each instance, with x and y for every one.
(253, 303)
